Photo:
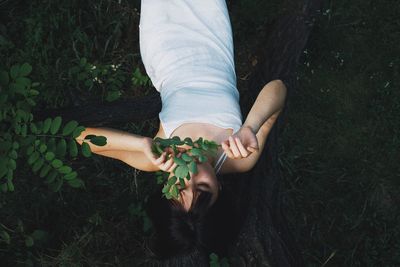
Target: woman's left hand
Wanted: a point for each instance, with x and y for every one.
(241, 144)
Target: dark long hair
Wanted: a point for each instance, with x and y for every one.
(192, 235)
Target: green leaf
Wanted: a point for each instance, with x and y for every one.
(186, 157)
(99, 140)
(213, 257)
(10, 174)
(69, 127)
(33, 92)
(76, 183)
(17, 128)
(23, 82)
(71, 175)
(33, 128)
(39, 126)
(25, 69)
(51, 177)
(188, 141)
(56, 163)
(31, 101)
(172, 180)
(4, 78)
(33, 157)
(10, 186)
(42, 148)
(175, 191)
(86, 150)
(89, 136)
(181, 171)
(3, 168)
(29, 150)
(51, 144)
(15, 145)
(182, 183)
(166, 188)
(77, 132)
(38, 164)
(24, 130)
(55, 125)
(179, 161)
(61, 148)
(196, 151)
(13, 154)
(14, 71)
(156, 149)
(73, 148)
(113, 95)
(46, 125)
(193, 167)
(56, 185)
(45, 170)
(5, 236)
(49, 156)
(203, 158)
(83, 62)
(12, 164)
(65, 169)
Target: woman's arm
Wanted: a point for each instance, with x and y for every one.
(116, 140)
(260, 120)
(269, 101)
(134, 150)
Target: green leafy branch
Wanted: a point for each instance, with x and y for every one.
(199, 151)
(41, 145)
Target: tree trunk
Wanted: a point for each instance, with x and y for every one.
(265, 238)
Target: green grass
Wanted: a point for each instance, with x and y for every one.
(340, 148)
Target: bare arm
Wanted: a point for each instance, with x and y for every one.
(116, 140)
(269, 101)
(260, 120)
(127, 147)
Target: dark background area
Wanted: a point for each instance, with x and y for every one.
(339, 149)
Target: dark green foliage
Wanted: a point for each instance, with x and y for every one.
(39, 145)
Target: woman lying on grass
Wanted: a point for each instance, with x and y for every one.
(187, 50)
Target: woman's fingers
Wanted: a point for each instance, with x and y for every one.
(227, 150)
(160, 159)
(252, 149)
(172, 168)
(241, 148)
(234, 148)
(167, 165)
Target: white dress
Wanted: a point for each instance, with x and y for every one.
(187, 50)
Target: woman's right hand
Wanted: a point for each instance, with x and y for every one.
(165, 161)
(241, 144)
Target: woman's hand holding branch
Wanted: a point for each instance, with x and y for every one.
(165, 161)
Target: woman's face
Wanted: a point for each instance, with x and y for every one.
(204, 180)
